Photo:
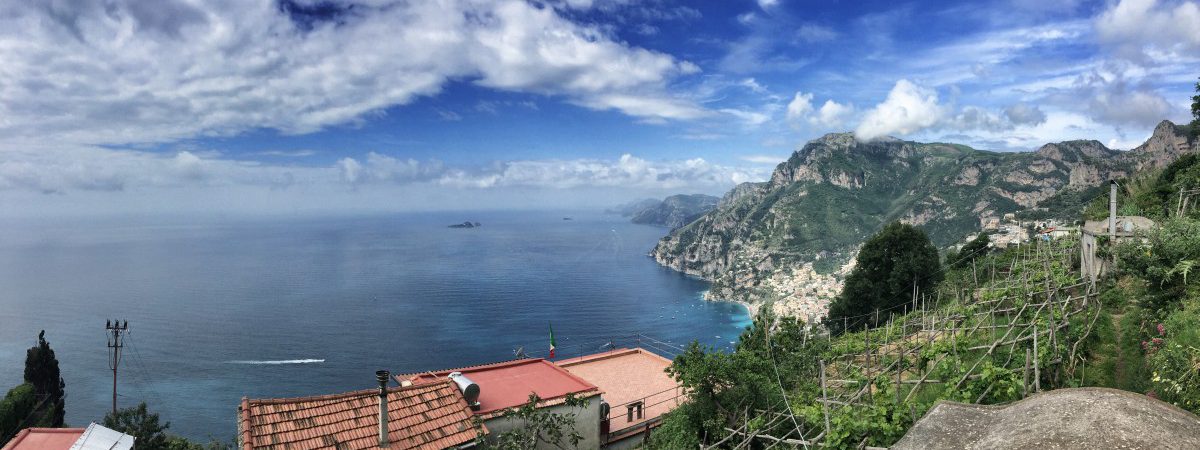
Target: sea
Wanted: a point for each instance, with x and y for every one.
(220, 308)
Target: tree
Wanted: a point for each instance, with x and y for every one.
(140, 423)
(150, 434)
(774, 354)
(1196, 112)
(41, 370)
(890, 265)
(974, 249)
(540, 427)
(15, 408)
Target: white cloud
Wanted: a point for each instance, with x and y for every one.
(976, 118)
(627, 171)
(117, 73)
(1025, 114)
(814, 33)
(1138, 28)
(831, 115)
(1109, 96)
(753, 85)
(908, 108)
(82, 169)
(768, 4)
(749, 118)
(800, 107)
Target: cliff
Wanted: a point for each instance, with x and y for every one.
(675, 211)
(835, 191)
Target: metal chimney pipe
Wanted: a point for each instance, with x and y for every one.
(1112, 209)
(382, 376)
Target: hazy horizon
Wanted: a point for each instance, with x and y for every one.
(277, 106)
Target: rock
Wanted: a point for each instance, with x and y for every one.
(1061, 419)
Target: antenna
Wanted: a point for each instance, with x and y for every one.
(114, 328)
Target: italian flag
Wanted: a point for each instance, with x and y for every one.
(552, 340)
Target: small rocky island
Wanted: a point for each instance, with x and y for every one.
(467, 224)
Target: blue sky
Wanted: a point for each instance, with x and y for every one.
(269, 106)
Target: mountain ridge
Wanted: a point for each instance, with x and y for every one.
(834, 191)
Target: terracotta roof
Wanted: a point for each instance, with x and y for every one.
(425, 416)
(508, 384)
(628, 375)
(44, 439)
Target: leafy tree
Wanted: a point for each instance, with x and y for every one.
(15, 408)
(774, 354)
(970, 252)
(1196, 113)
(541, 427)
(41, 370)
(890, 265)
(150, 434)
(143, 425)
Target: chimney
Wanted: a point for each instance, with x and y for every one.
(382, 377)
(1112, 209)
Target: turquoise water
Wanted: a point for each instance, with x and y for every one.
(224, 308)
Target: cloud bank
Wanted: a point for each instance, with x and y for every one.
(125, 71)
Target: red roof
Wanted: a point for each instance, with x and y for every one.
(44, 439)
(508, 384)
(626, 376)
(427, 416)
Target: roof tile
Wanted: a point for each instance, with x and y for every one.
(349, 419)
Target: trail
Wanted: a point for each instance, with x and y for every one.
(1119, 366)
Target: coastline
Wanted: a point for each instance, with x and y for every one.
(751, 309)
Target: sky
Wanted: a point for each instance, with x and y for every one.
(122, 107)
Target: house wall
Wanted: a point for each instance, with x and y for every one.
(587, 423)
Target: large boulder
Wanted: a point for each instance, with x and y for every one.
(1091, 418)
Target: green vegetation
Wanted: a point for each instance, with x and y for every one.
(1194, 132)
(41, 370)
(994, 330)
(970, 252)
(835, 192)
(39, 401)
(1153, 194)
(17, 404)
(892, 267)
(151, 434)
(968, 344)
(540, 427)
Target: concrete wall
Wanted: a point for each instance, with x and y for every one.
(587, 423)
(1090, 265)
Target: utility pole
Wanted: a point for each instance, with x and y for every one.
(114, 328)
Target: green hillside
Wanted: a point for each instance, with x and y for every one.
(1013, 323)
(835, 191)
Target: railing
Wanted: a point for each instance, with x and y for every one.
(567, 352)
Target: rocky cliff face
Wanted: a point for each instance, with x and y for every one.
(675, 211)
(836, 191)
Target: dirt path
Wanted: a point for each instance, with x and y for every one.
(1119, 366)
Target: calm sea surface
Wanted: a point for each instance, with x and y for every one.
(221, 309)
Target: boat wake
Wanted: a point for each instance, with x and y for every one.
(278, 361)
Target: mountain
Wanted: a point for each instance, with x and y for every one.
(631, 208)
(675, 211)
(791, 237)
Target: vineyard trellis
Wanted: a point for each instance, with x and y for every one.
(1019, 322)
